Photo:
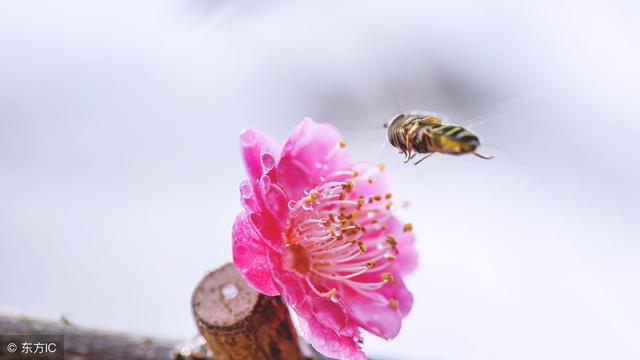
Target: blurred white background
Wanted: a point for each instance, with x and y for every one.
(119, 162)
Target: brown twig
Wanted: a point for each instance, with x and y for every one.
(239, 323)
(82, 343)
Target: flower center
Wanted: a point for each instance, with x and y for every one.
(333, 236)
(297, 259)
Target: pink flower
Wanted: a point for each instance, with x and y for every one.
(318, 229)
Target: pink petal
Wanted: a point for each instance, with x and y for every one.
(274, 198)
(307, 304)
(259, 152)
(395, 289)
(328, 343)
(267, 205)
(294, 294)
(311, 151)
(261, 195)
(374, 315)
(290, 285)
(398, 291)
(250, 256)
(330, 314)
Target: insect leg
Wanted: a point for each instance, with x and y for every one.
(482, 156)
(419, 161)
(409, 148)
(409, 158)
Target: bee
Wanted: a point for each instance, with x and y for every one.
(424, 133)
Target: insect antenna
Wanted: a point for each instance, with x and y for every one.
(394, 94)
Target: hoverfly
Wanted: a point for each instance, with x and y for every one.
(424, 133)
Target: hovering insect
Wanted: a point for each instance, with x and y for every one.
(424, 133)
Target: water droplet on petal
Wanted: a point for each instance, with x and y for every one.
(248, 137)
(335, 298)
(307, 206)
(292, 204)
(246, 190)
(265, 181)
(268, 161)
(318, 165)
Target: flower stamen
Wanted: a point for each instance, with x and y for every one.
(332, 236)
(393, 303)
(386, 277)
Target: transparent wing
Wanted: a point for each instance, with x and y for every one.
(372, 141)
(497, 113)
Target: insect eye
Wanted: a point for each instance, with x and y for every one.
(393, 121)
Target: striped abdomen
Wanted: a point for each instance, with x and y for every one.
(446, 139)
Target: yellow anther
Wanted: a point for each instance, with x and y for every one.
(371, 264)
(388, 196)
(391, 240)
(393, 303)
(355, 173)
(386, 277)
(343, 144)
(348, 186)
(407, 227)
(377, 197)
(381, 167)
(370, 180)
(362, 246)
(390, 257)
(360, 201)
(313, 196)
(388, 205)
